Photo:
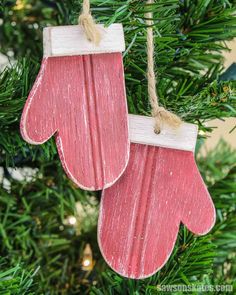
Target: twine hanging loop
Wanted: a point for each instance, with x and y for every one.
(87, 22)
(160, 114)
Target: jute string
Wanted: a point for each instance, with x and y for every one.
(160, 114)
(87, 22)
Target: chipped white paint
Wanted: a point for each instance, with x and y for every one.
(71, 40)
(141, 130)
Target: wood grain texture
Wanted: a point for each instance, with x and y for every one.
(71, 40)
(141, 130)
(81, 99)
(141, 213)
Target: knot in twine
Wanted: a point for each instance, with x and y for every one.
(87, 22)
(160, 114)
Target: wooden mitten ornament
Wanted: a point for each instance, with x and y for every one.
(141, 213)
(79, 96)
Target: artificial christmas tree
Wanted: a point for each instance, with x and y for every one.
(45, 221)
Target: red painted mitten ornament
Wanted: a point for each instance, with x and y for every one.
(141, 213)
(79, 96)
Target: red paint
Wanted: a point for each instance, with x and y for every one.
(141, 213)
(81, 99)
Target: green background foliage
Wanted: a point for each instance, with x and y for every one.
(40, 254)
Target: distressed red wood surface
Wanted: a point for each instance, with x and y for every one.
(81, 99)
(141, 213)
